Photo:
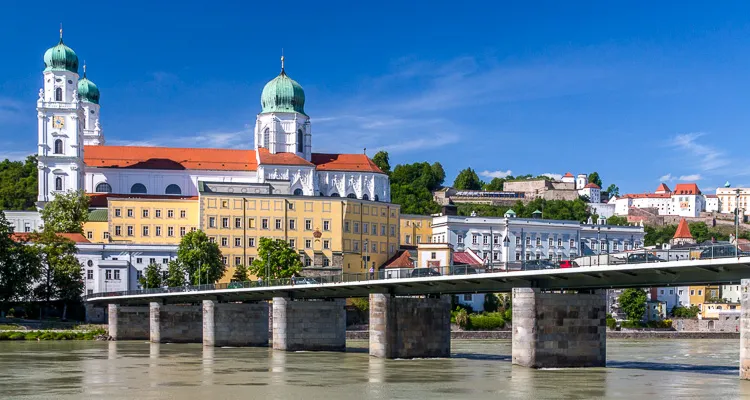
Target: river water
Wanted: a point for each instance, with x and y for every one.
(661, 369)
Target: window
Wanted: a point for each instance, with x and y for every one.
(105, 235)
(59, 183)
(144, 229)
(58, 94)
(433, 255)
(108, 274)
(408, 239)
(467, 297)
(237, 242)
(700, 293)
(290, 205)
(104, 187)
(346, 226)
(89, 235)
(550, 242)
(351, 196)
(182, 231)
(157, 213)
(528, 240)
(460, 239)
(165, 261)
(559, 242)
(139, 260)
(144, 213)
(90, 274)
(173, 189)
(300, 142)
(308, 262)
(251, 242)
(474, 239)
(118, 231)
(393, 230)
(212, 222)
(225, 222)
(266, 138)
(250, 260)
(170, 213)
(518, 256)
(130, 213)
(130, 230)
(138, 188)
(486, 240)
(374, 247)
(692, 292)
(308, 224)
(224, 260)
(326, 263)
(326, 225)
(224, 242)
(238, 223)
(237, 260)
(138, 275)
(117, 274)
(157, 231)
(293, 224)
(292, 243)
(356, 227)
(251, 223)
(374, 229)
(118, 212)
(183, 214)
(308, 243)
(264, 223)
(355, 245)
(518, 241)
(572, 243)
(538, 241)
(326, 244)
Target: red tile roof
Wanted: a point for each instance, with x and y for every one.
(75, 237)
(170, 158)
(683, 231)
(568, 175)
(344, 162)
(101, 199)
(281, 158)
(686, 188)
(663, 188)
(400, 260)
(463, 257)
(647, 196)
(592, 186)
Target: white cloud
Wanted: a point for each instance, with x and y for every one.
(556, 177)
(666, 178)
(211, 139)
(496, 174)
(705, 157)
(421, 143)
(693, 177)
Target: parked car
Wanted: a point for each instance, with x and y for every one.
(540, 264)
(422, 272)
(304, 281)
(568, 264)
(464, 270)
(637, 258)
(234, 285)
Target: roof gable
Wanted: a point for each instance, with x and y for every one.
(266, 157)
(344, 162)
(400, 260)
(686, 188)
(683, 230)
(663, 188)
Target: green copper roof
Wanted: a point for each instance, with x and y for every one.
(87, 90)
(61, 58)
(537, 212)
(510, 212)
(98, 215)
(283, 94)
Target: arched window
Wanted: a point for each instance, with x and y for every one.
(103, 187)
(365, 197)
(59, 183)
(334, 194)
(351, 196)
(58, 94)
(300, 139)
(138, 188)
(298, 192)
(376, 198)
(58, 146)
(266, 138)
(173, 189)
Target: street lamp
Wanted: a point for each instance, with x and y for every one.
(366, 257)
(506, 245)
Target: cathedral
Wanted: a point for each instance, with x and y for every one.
(73, 154)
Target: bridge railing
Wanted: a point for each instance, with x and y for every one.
(639, 256)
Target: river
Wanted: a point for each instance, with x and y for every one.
(661, 369)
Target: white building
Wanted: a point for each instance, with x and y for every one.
(686, 200)
(24, 221)
(728, 199)
(592, 191)
(73, 155)
(712, 203)
(669, 296)
(731, 293)
(605, 210)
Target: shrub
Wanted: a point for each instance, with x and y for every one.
(11, 313)
(486, 322)
(17, 336)
(611, 323)
(468, 309)
(361, 304)
(462, 319)
(632, 324)
(508, 315)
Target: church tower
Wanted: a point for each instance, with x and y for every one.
(89, 95)
(59, 113)
(282, 125)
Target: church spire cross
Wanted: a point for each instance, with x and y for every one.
(282, 60)
(84, 68)
(61, 31)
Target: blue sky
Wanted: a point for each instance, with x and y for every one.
(638, 92)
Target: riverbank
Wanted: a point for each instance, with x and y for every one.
(635, 335)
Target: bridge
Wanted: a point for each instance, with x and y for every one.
(559, 315)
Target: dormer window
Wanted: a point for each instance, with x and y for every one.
(58, 94)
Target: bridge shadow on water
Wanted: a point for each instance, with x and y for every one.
(726, 370)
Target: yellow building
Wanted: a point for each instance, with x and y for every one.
(331, 234)
(96, 230)
(415, 229)
(151, 220)
(700, 294)
(712, 310)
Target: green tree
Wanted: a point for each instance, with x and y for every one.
(685, 312)
(491, 302)
(175, 274)
(613, 190)
(412, 186)
(200, 258)
(495, 185)
(566, 210)
(617, 220)
(467, 179)
(152, 276)
(438, 173)
(594, 178)
(19, 266)
(275, 260)
(61, 274)
(633, 303)
(382, 161)
(240, 274)
(67, 212)
(18, 184)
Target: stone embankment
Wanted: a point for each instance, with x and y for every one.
(631, 335)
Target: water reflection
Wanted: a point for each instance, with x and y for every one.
(208, 365)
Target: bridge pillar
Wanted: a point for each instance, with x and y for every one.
(745, 330)
(235, 324)
(556, 330)
(317, 325)
(175, 323)
(408, 327)
(128, 323)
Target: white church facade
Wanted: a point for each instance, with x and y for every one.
(73, 154)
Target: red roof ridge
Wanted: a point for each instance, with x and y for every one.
(344, 162)
(75, 237)
(683, 231)
(401, 259)
(592, 185)
(568, 174)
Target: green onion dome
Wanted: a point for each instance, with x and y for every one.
(283, 94)
(87, 90)
(61, 58)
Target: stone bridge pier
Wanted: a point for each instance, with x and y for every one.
(559, 330)
(410, 327)
(316, 325)
(175, 323)
(235, 324)
(128, 323)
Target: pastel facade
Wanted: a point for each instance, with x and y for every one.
(415, 229)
